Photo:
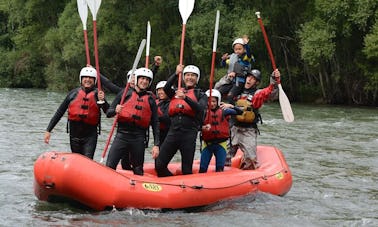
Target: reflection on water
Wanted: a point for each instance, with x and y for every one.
(332, 153)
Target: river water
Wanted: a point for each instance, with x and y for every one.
(332, 152)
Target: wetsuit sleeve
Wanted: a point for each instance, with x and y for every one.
(108, 85)
(232, 111)
(154, 68)
(155, 122)
(168, 86)
(261, 96)
(61, 110)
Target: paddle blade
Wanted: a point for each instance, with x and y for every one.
(186, 8)
(82, 7)
(137, 57)
(287, 112)
(148, 39)
(216, 31)
(94, 5)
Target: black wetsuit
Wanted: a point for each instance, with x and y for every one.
(182, 134)
(129, 141)
(83, 136)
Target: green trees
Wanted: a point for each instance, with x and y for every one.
(327, 51)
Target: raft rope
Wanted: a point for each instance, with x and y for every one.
(253, 181)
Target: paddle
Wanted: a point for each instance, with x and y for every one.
(148, 43)
(213, 58)
(135, 64)
(287, 112)
(82, 7)
(185, 8)
(94, 5)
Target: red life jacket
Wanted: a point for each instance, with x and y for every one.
(136, 110)
(219, 126)
(84, 108)
(180, 106)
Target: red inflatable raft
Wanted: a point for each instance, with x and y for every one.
(73, 176)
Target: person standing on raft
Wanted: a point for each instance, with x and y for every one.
(244, 130)
(83, 114)
(186, 111)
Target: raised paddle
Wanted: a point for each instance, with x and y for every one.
(94, 5)
(287, 112)
(185, 8)
(148, 43)
(82, 7)
(136, 61)
(213, 58)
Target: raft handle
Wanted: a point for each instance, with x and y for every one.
(197, 187)
(49, 185)
(255, 182)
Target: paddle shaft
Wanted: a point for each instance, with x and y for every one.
(287, 112)
(96, 55)
(213, 60)
(267, 44)
(181, 53)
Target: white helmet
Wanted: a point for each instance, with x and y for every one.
(129, 73)
(88, 71)
(161, 84)
(143, 72)
(192, 69)
(238, 41)
(214, 93)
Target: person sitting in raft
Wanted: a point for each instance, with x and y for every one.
(136, 114)
(186, 110)
(84, 114)
(244, 130)
(216, 132)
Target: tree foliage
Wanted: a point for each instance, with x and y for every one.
(326, 50)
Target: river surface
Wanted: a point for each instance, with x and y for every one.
(332, 152)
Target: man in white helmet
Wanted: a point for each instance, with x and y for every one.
(186, 111)
(135, 115)
(83, 114)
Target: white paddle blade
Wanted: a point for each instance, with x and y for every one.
(287, 112)
(216, 32)
(186, 8)
(137, 58)
(148, 39)
(82, 7)
(94, 5)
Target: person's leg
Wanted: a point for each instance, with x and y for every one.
(220, 156)
(187, 149)
(167, 151)
(205, 158)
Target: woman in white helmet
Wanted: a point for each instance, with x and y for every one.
(162, 102)
(186, 111)
(135, 115)
(83, 114)
(216, 132)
